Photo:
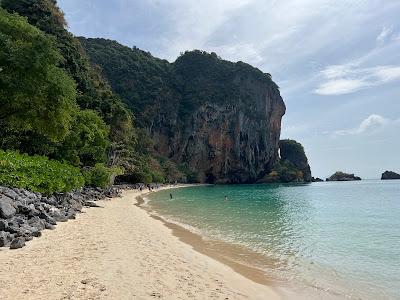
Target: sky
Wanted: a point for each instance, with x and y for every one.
(337, 63)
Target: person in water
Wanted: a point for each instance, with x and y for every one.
(226, 198)
(170, 196)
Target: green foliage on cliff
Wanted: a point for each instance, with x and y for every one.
(165, 96)
(37, 97)
(285, 172)
(54, 102)
(101, 176)
(140, 79)
(154, 88)
(87, 141)
(38, 173)
(293, 152)
(292, 166)
(92, 90)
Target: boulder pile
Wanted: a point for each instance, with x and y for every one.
(24, 214)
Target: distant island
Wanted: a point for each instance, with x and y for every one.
(317, 179)
(390, 175)
(341, 176)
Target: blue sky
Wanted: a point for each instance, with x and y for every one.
(337, 63)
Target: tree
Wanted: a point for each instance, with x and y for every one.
(93, 92)
(87, 142)
(36, 95)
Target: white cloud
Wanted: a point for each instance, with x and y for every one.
(384, 35)
(387, 74)
(350, 78)
(340, 86)
(368, 125)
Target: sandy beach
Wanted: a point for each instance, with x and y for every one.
(118, 251)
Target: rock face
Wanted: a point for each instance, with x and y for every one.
(340, 176)
(23, 214)
(293, 165)
(229, 143)
(390, 175)
(294, 153)
(222, 120)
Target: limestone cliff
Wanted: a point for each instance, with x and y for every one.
(222, 120)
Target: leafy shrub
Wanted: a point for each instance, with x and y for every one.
(87, 142)
(36, 95)
(101, 176)
(284, 171)
(38, 173)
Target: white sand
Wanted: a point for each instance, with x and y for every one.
(118, 252)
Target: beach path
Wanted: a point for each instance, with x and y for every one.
(118, 251)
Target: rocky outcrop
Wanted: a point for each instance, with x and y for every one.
(293, 164)
(340, 176)
(230, 143)
(317, 179)
(294, 153)
(219, 119)
(390, 175)
(23, 214)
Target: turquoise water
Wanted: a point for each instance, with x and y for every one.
(333, 240)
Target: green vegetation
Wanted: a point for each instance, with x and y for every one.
(92, 91)
(284, 171)
(38, 173)
(101, 176)
(293, 165)
(54, 102)
(165, 95)
(87, 142)
(158, 90)
(37, 98)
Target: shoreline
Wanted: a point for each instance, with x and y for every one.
(213, 248)
(118, 251)
(239, 258)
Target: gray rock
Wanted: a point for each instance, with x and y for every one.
(10, 193)
(5, 239)
(7, 209)
(37, 223)
(91, 204)
(17, 243)
(27, 237)
(30, 195)
(51, 200)
(50, 226)
(3, 225)
(71, 213)
(47, 218)
(75, 205)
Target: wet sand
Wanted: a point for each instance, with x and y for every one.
(119, 251)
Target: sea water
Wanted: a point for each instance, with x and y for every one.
(327, 240)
